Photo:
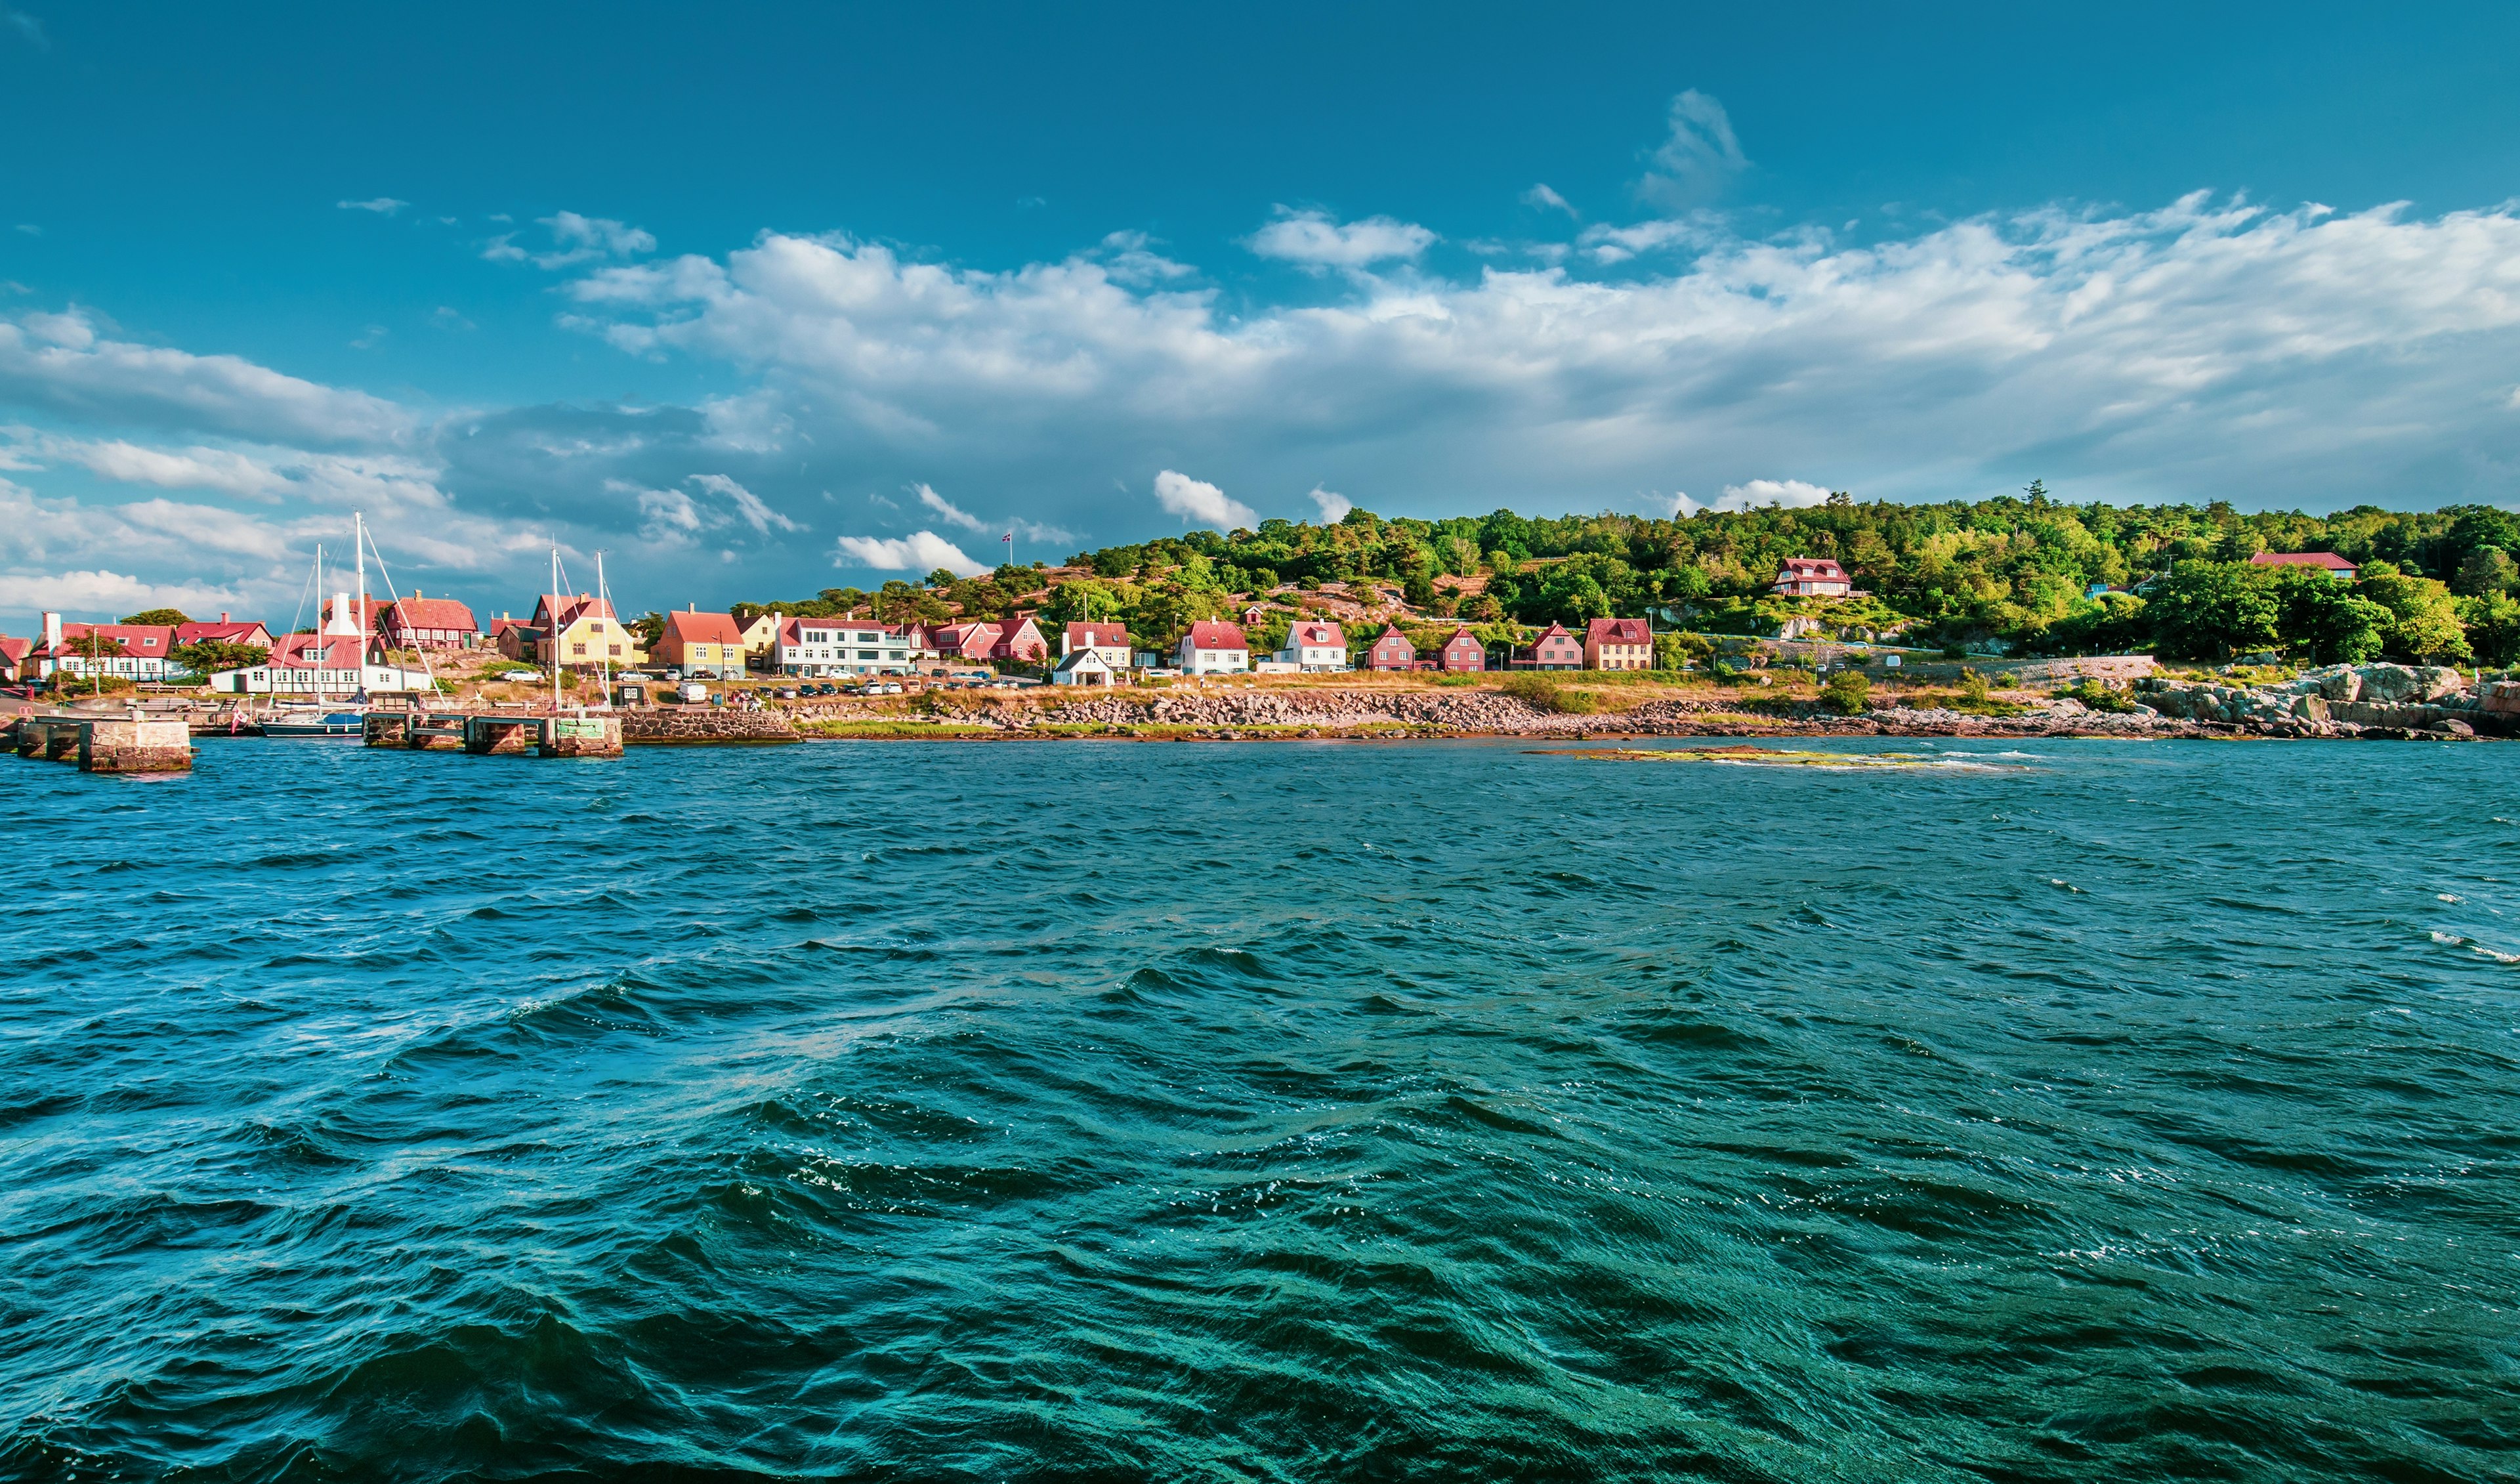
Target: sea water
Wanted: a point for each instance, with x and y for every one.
(2086, 1110)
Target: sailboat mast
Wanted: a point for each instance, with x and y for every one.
(553, 628)
(603, 601)
(323, 641)
(359, 556)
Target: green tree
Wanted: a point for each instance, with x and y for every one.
(2214, 610)
(2493, 624)
(1847, 693)
(2487, 570)
(2328, 618)
(2425, 626)
(1416, 589)
(159, 617)
(207, 656)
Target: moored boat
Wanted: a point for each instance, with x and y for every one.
(315, 724)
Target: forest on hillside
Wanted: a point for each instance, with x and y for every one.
(2018, 572)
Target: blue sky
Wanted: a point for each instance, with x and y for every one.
(763, 300)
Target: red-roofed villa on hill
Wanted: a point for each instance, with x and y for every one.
(2333, 564)
(134, 652)
(1108, 641)
(1813, 577)
(1618, 644)
(225, 631)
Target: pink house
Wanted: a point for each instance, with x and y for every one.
(1021, 641)
(1618, 644)
(1463, 654)
(973, 642)
(1391, 650)
(1553, 649)
(225, 631)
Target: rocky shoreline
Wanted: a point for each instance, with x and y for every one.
(2374, 703)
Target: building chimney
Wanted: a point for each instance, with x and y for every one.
(223, 619)
(53, 632)
(342, 621)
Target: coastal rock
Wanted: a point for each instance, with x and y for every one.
(2500, 699)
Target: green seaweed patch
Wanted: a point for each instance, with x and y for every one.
(1768, 757)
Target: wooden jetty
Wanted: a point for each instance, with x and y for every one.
(497, 734)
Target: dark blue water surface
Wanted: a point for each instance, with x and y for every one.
(1263, 1112)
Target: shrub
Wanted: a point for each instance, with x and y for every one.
(1956, 651)
(1847, 693)
(2098, 695)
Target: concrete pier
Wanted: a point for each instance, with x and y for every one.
(581, 736)
(135, 746)
(387, 729)
(500, 736)
(108, 745)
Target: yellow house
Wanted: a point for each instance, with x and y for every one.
(760, 633)
(698, 641)
(583, 631)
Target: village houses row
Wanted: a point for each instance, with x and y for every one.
(582, 631)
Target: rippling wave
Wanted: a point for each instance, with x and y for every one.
(1117, 1110)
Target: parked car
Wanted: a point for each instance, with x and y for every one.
(786, 693)
(693, 693)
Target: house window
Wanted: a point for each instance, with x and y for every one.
(577, 649)
(616, 649)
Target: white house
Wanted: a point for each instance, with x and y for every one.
(844, 647)
(135, 651)
(1086, 666)
(1313, 646)
(1213, 649)
(320, 665)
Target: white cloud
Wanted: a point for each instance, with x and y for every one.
(99, 592)
(929, 497)
(2182, 352)
(918, 552)
(1198, 501)
(1699, 156)
(382, 206)
(748, 507)
(575, 239)
(1757, 494)
(1333, 506)
(1313, 239)
(60, 361)
(1541, 198)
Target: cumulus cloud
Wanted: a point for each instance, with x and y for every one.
(1333, 506)
(2172, 353)
(1312, 239)
(918, 552)
(1697, 158)
(62, 362)
(382, 206)
(575, 239)
(1196, 500)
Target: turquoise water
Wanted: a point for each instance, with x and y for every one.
(1417, 1111)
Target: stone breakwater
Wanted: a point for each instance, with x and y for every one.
(671, 726)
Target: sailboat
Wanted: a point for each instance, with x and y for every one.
(348, 620)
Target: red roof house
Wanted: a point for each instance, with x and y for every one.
(2335, 565)
(12, 658)
(1463, 653)
(1391, 650)
(1093, 636)
(422, 622)
(1209, 648)
(1813, 577)
(1021, 641)
(224, 631)
(1315, 646)
(965, 641)
(1618, 644)
(1553, 649)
